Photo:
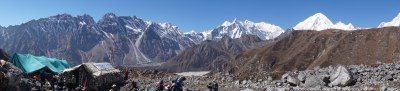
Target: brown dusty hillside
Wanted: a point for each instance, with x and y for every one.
(210, 55)
(302, 50)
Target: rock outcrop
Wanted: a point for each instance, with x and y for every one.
(341, 77)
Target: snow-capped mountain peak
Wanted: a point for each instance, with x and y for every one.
(237, 28)
(320, 22)
(316, 22)
(227, 23)
(190, 32)
(394, 22)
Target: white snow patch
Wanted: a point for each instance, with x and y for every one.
(226, 23)
(129, 27)
(82, 23)
(108, 36)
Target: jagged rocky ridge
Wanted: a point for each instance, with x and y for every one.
(122, 40)
(237, 28)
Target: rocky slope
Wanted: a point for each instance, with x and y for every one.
(210, 55)
(302, 50)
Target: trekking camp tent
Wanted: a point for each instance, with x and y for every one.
(30, 64)
(96, 76)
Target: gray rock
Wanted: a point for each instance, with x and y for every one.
(314, 81)
(247, 89)
(277, 82)
(269, 78)
(237, 83)
(287, 78)
(383, 88)
(229, 78)
(397, 66)
(259, 80)
(341, 77)
(388, 78)
(293, 81)
(244, 82)
(301, 77)
(284, 77)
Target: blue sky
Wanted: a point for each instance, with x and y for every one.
(200, 15)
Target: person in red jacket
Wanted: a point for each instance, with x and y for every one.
(126, 73)
(36, 78)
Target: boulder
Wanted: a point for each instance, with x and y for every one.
(290, 79)
(301, 77)
(341, 77)
(284, 77)
(10, 76)
(316, 80)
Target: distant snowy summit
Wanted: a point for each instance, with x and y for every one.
(236, 29)
(394, 22)
(320, 22)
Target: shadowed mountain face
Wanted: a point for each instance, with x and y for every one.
(300, 50)
(210, 55)
(60, 36)
(123, 40)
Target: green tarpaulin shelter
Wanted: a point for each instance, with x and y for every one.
(31, 64)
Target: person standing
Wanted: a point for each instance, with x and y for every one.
(177, 85)
(134, 86)
(126, 73)
(73, 81)
(160, 86)
(54, 81)
(69, 84)
(42, 78)
(60, 83)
